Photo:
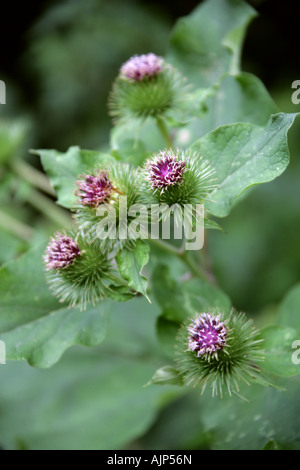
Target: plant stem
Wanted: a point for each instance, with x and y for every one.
(182, 255)
(193, 266)
(14, 226)
(47, 207)
(164, 131)
(165, 246)
(33, 176)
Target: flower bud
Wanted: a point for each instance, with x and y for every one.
(219, 350)
(138, 68)
(165, 170)
(121, 182)
(178, 177)
(94, 189)
(77, 270)
(207, 335)
(61, 252)
(146, 86)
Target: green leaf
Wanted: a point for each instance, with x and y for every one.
(289, 312)
(180, 300)
(135, 140)
(271, 445)
(270, 414)
(91, 399)
(235, 98)
(131, 262)
(244, 155)
(207, 43)
(166, 375)
(212, 224)
(278, 346)
(167, 331)
(33, 324)
(130, 151)
(63, 169)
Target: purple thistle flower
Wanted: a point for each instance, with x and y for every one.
(61, 252)
(165, 170)
(139, 67)
(207, 334)
(94, 190)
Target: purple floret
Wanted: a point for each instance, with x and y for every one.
(94, 190)
(207, 335)
(139, 67)
(165, 170)
(61, 252)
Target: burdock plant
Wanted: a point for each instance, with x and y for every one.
(187, 133)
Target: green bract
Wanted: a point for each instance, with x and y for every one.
(153, 96)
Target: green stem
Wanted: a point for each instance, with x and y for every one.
(193, 266)
(207, 262)
(165, 246)
(47, 207)
(182, 255)
(14, 226)
(164, 131)
(33, 176)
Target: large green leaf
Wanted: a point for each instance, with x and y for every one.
(63, 169)
(235, 98)
(33, 324)
(269, 414)
(131, 262)
(91, 399)
(207, 43)
(179, 301)
(182, 299)
(134, 140)
(244, 155)
(197, 421)
(278, 346)
(289, 312)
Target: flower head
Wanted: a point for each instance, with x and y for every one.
(91, 278)
(207, 334)
(61, 252)
(165, 170)
(94, 189)
(139, 67)
(219, 349)
(177, 177)
(146, 86)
